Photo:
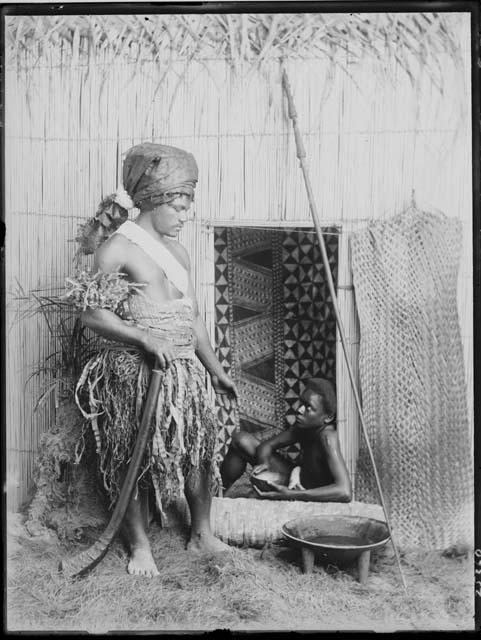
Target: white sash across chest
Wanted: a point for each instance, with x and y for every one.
(174, 271)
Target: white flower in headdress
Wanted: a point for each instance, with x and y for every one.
(123, 199)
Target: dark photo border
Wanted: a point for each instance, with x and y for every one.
(472, 7)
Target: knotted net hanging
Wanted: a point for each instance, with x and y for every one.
(412, 377)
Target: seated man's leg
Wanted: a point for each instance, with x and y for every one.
(134, 528)
(242, 450)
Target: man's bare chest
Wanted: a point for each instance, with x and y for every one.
(140, 268)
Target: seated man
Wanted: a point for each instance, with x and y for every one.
(321, 476)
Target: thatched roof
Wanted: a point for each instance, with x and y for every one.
(408, 38)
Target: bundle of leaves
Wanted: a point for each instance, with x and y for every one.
(65, 497)
(108, 218)
(90, 235)
(98, 291)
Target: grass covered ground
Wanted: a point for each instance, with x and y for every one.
(246, 589)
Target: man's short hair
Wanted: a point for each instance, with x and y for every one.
(325, 389)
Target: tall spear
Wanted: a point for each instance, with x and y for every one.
(301, 154)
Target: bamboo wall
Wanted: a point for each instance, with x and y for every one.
(373, 141)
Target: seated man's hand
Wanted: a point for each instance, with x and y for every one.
(277, 491)
(295, 479)
(260, 468)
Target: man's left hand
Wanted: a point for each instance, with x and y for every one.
(224, 384)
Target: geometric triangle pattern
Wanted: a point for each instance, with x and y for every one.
(251, 261)
(225, 411)
(245, 329)
(271, 349)
(309, 321)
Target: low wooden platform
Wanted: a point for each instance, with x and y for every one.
(254, 522)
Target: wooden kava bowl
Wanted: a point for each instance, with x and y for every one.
(338, 540)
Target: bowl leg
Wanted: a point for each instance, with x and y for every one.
(363, 565)
(307, 560)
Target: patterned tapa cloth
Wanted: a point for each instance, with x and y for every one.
(111, 392)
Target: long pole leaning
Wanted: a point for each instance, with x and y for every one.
(82, 563)
(301, 154)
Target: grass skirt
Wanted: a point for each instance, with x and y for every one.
(111, 393)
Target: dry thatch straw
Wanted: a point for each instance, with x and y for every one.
(414, 40)
(244, 590)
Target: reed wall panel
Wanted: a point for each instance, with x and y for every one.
(347, 412)
(370, 141)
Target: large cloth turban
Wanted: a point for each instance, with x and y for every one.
(158, 173)
(152, 173)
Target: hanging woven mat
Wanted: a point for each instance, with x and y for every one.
(412, 376)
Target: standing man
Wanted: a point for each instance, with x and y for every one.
(158, 321)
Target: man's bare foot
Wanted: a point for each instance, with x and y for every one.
(142, 563)
(206, 543)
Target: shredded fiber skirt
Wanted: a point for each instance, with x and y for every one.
(111, 393)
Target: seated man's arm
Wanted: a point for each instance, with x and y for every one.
(340, 489)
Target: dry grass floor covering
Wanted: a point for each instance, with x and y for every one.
(245, 589)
